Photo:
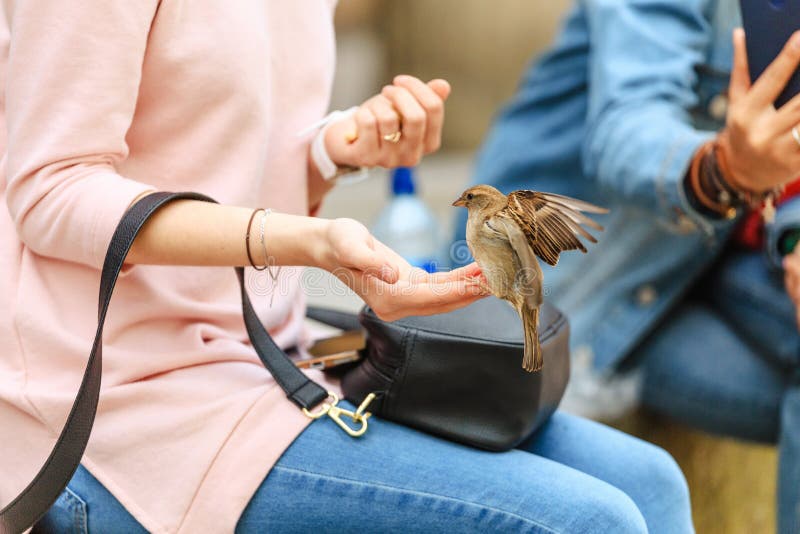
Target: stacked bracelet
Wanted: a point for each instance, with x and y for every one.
(703, 179)
(715, 189)
(765, 200)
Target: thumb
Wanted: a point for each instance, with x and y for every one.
(339, 140)
(440, 87)
(372, 263)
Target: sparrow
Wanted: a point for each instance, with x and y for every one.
(505, 234)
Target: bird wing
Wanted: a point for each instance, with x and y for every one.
(551, 223)
(527, 279)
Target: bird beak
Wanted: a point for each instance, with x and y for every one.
(459, 202)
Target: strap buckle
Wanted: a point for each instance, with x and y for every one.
(330, 408)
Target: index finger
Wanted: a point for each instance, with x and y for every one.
(772, 81)
(429, 298)
(473, 270)
(431, 102)
(740, 75)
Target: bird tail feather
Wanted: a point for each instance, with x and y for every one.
(532, 360)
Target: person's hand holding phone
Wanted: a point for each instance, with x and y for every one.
(757, 143)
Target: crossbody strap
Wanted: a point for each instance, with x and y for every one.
(57, 471)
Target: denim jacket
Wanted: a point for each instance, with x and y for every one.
(613, 114)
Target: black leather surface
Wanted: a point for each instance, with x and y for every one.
(339, 319)
(459, 375)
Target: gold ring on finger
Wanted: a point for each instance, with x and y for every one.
(393, 137)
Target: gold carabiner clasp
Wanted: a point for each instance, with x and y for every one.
(325, 408)
(359, 417)
(335, 413)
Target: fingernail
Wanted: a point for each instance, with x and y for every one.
(401, 78)
(796, 40)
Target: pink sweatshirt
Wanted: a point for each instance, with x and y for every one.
(106, 99)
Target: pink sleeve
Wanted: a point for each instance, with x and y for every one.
(73, 76)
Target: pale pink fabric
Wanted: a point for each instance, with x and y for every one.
(107, 99)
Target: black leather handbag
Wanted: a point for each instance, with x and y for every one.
(455, 375)
(459, 376)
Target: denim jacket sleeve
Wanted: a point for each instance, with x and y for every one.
(787, 218)
(642, 80)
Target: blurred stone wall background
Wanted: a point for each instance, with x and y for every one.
(481, 47)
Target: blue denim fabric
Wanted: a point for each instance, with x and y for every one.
(612, 114)
(574, 475)
(726, 361)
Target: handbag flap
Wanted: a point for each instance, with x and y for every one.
(488, 320)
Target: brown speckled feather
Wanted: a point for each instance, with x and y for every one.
(551, 223)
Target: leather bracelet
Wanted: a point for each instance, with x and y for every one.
(717, 185)
(247, 241)
(735, 189)
(699, 174)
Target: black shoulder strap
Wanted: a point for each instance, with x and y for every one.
(335, 318)
(66, 455)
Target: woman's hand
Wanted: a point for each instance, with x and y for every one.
(791, 278)
(385, 281)
(758, 144)
(409, 106)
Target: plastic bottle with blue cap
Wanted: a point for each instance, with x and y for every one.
(407, 225)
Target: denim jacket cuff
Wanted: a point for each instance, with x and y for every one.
(787, 218)
(670, 186)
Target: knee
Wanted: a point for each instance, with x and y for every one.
(663, 472)
(607, 509)
(661, 492)
(790, 411)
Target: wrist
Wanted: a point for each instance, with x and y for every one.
(329, 164)
(702, 188)
(288, 240)
(317, 245)
(725, 159)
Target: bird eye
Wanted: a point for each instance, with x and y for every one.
(469, 196)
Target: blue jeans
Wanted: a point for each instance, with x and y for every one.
(573, 475)
(727, 360)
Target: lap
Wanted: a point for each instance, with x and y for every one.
(699, 369)
(397, 479)
(749, 293)
(572, 476)
(645, 472)
(87, 506)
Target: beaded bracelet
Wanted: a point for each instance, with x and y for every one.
(711, 182)
(765, 200)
